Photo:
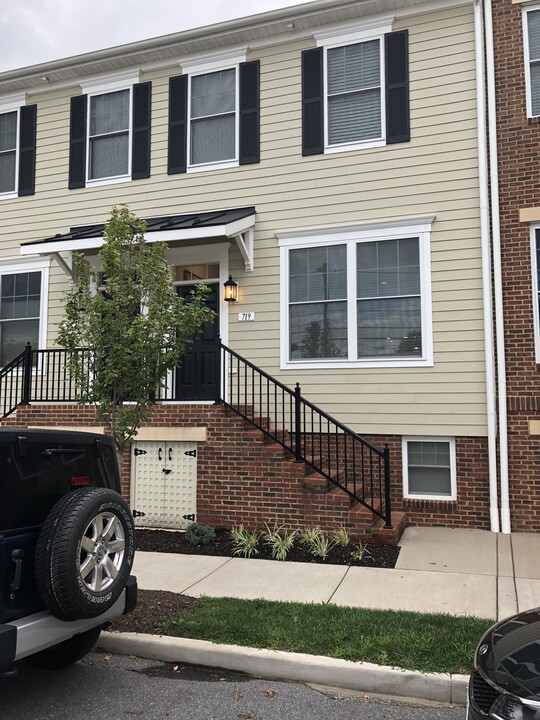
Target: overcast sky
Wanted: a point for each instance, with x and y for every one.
(35, 31)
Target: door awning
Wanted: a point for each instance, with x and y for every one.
(237, 223)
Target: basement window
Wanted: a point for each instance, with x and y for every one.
(429, 468)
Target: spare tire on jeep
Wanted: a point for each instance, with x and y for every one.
(84, 553)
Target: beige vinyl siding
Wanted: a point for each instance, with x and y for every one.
(435, 173)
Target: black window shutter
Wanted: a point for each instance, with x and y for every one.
(77, 142)
(177, 158)
(312, 102)
(27, 150)
(398, 126)
(249, 112)
(140, 156)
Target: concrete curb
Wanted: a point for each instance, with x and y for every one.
(277, 665)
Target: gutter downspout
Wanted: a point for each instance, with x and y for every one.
(497, 270)
(486, 267)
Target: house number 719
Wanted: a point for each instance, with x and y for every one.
(243, 317)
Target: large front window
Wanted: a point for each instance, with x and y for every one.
(109, 131)
(389, 306)
(213, 117)
(20, 301)
(361, 297)
(8, 151)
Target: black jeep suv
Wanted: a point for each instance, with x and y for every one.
(67, 544)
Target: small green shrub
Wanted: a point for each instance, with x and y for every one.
(309, 536)
(280, 541)
(341, 537)
(197, 534)
(321, 546)
(360, 552)
(244, 542)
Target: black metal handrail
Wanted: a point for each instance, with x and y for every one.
(315, 438)
(343, 457)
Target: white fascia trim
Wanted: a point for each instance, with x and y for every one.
(405, 464)
(375, 228)
(110, 82)
(535, 290)
(9, 103)
(210, 62)
(347, 33)
(527, 64)
(28, 264)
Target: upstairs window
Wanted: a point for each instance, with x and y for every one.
(108, 137)
(355, 89)
(214, 117)
(110, 128)
(17, 146)
(214, 111)
(8, 152)
(532, 60)
(354, 102)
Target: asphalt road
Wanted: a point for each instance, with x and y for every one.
(104, 687)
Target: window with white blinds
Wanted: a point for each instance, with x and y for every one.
(354, 93)
(109, 135)
(533, 56)
(8, 151)
(213, 117)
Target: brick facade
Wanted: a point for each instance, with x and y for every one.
(242, 479)
(518, 140)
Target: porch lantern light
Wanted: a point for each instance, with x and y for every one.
(231, 290)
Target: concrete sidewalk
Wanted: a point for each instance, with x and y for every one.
(440, 570)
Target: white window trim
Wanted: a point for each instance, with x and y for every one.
(8, 104)
(101, 86)
(203, 65)
(453, 474)
(535, 291)
(419, 227)
(527, 65)
(353, 34)
(27, 265)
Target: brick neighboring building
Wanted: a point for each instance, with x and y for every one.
(516, 29)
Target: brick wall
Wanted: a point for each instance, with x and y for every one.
(243, 480)
(518, 146)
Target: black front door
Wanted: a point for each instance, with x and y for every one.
(196, 374)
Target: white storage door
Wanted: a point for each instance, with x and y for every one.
(164, 483)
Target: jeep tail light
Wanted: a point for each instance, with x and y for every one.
(80, 481)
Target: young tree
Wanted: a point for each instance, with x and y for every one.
(135, 329)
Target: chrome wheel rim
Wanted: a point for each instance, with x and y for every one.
(101, 552)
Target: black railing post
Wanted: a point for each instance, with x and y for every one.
(387, 499)
(297, 424)
(217, 371)
(27, 375)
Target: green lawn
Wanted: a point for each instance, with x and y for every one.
(413, 641)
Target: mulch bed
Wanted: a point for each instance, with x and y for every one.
(155, 607)
(381, 556)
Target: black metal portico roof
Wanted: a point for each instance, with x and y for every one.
(157, 224)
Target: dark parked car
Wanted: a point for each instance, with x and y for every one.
(67, 544)
(505, 681)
